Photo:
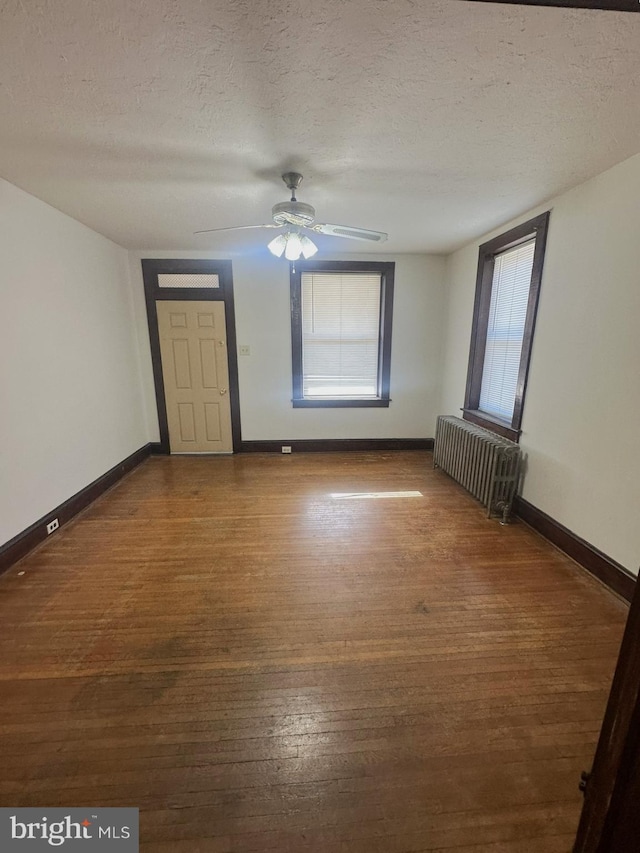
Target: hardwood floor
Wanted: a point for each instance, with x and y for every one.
(260, 666)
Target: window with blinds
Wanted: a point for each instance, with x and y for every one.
(341, 315)
(505, 330)
(340, 334)
(504, 315)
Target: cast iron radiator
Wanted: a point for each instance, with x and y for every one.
(486, 464)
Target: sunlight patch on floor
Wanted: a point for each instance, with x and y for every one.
(350, 496)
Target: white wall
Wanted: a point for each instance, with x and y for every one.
(582, 409)
(70, 404)
(261, 291)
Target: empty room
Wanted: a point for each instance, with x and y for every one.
(319, 477)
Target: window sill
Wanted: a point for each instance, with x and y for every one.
(491, 423)
(340, 403)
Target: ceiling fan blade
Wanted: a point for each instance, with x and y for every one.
(235, 228)
(608, 5)
(348, 231)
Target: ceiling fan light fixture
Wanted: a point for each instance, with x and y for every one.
(278, 245)
(293, 248)
(292, 245)
(309, 248)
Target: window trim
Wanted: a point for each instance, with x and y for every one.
(386, 270)
(538, 228)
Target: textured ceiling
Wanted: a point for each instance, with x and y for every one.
(434, 120)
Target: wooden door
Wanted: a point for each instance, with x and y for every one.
(610, 821)
(195, 372)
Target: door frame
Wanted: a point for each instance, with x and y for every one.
(610, 820)
(151, 269)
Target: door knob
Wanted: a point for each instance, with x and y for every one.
(223, 390)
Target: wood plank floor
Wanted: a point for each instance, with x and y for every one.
(260, 666)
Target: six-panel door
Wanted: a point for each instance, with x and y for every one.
(195, 371)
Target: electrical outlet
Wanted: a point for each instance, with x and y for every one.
(286, 448)
(53, 525)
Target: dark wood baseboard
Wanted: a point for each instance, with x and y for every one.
(612, 574)
(156, 449)
(324, 445)
(20, 545)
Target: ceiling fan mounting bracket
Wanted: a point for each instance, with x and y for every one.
(292, 180)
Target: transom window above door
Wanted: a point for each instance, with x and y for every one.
(188, 280)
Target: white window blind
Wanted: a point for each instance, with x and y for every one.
(340, 334)
(505, 331)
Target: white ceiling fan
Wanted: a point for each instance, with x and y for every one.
(295, 216)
